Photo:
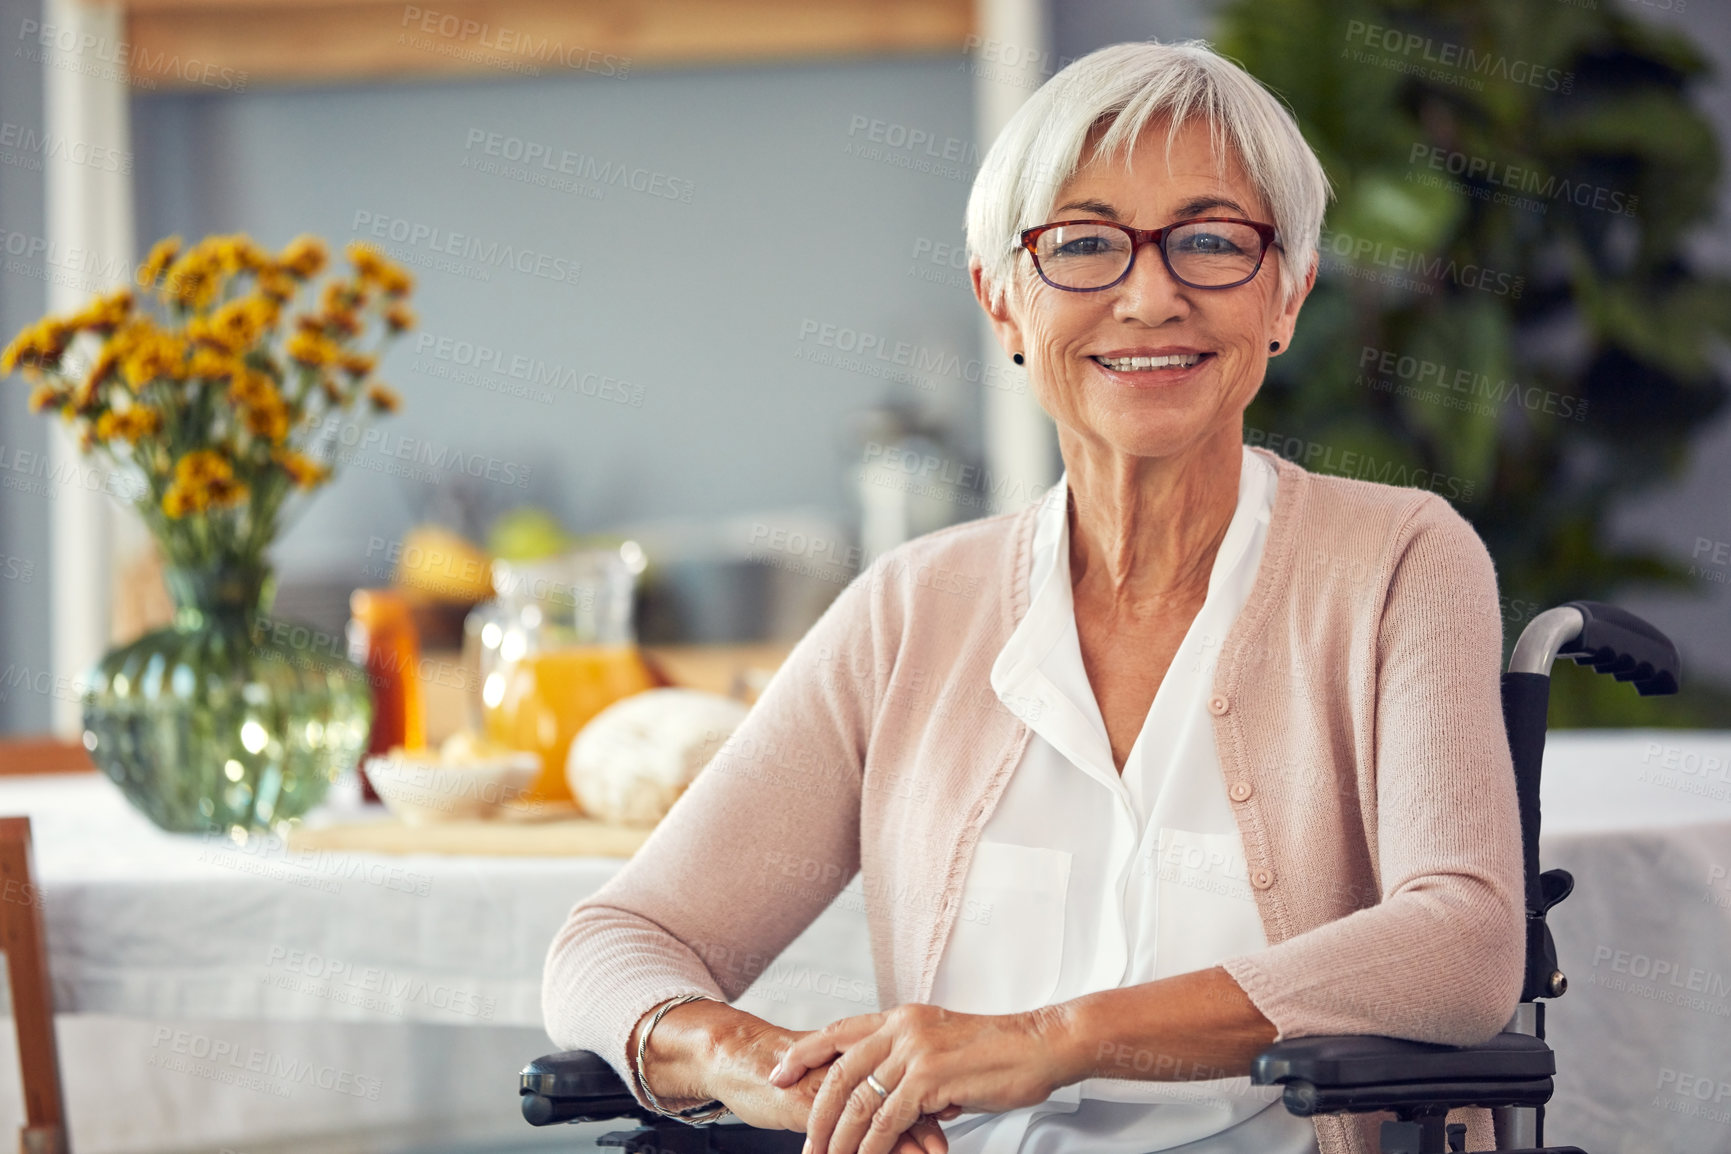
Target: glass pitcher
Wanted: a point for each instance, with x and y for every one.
(556, 648)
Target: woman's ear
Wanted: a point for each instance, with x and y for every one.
(1009, 333)
(1287, 321)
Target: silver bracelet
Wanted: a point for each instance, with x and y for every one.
(702, 1112)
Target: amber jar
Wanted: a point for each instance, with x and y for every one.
(383, 641)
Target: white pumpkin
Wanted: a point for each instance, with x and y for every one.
(634, 758)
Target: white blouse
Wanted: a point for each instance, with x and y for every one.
(1084, 880)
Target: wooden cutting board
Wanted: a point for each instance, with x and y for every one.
(564, 837)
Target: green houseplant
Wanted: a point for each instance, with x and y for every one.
(1507, 298)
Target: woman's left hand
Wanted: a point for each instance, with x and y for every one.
(934, 1062)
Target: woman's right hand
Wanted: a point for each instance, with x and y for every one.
(739, 1077)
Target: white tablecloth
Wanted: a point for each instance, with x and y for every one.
(174, 954)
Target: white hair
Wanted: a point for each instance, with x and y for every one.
(1123, 87)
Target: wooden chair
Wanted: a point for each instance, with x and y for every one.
(25, 944)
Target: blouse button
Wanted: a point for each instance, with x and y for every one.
(1261, 879)
(1240, 791)
(1218, 705)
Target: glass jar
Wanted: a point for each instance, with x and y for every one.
(556, 648)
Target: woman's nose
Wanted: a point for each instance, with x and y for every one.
(1150, 293)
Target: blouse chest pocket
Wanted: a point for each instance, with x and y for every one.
(1007, 946)
(1205, 910)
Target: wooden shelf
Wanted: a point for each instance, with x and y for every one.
(239, 44)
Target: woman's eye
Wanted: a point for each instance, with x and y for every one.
(1084, 246)
(1208, 244)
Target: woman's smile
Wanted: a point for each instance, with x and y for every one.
(1157, 368)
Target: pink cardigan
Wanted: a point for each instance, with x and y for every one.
(1359, 729)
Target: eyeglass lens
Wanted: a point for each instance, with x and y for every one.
(1206, 254)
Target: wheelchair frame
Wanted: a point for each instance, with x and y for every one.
(1420, 1082)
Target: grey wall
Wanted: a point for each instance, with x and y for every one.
(23, 436)
(698, 307)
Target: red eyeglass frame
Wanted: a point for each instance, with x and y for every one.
(1156, 236)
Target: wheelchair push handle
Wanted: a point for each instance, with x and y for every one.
(1610, 639)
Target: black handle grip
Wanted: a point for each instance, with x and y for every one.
(1617, 642)
(575, 1085)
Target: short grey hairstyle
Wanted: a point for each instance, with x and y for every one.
(1123, 87)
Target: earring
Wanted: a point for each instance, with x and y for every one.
(1017, 357)
(1273, 346)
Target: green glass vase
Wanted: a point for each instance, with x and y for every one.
(225, 720)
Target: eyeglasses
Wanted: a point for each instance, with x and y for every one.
(1208, 252)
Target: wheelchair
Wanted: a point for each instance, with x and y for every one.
(1419, 1082)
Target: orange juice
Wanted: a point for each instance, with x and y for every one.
(549, 696)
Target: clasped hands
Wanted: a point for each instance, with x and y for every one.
(929, 1065)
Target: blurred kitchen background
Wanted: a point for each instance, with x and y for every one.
(690, 287)
(647, 266)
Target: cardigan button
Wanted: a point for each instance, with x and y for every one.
(1261, 879)
(1240, 791)
(1218, 705)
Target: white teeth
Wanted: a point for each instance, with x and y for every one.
(1131, 364)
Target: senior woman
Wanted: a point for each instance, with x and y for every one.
(1212, 754)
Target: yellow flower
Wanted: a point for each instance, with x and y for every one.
(202, 466)
(268, 421)
(303, 257)
(104, 313)
(239, 253)
(203, 479)
(41, 344)
(399, 317)
(45, 396)
(395, 282)
(154, 357)
(369, 262)
(341, 297)
(383, 398)
(130, 425)
(357, 364)
(192, 281)
(252, 387)
(278, 284)
(161, 254)
(312, 349)
(302, 470)
(210, 363)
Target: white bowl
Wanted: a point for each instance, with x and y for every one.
(419, 788)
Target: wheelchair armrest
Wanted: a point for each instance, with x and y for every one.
(576, 1086)
(1357, 1072)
